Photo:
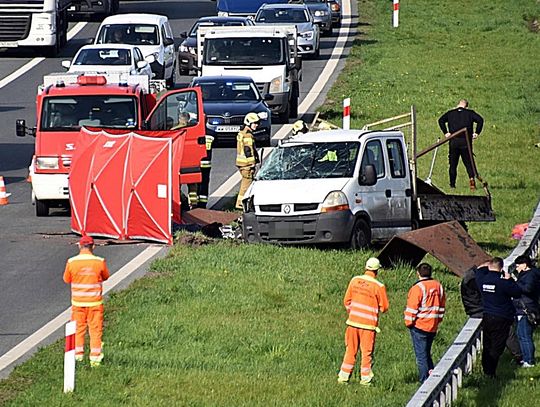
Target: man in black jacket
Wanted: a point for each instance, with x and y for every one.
(452, 121)
(497, 289)
(472, 303)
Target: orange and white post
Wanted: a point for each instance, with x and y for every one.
(347, 114)
(395, 16)
(69, 357)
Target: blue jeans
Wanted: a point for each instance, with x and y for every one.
(525, 336)
(422, 342)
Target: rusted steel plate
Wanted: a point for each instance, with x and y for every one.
(205, 217)
(456, 207)
(448, 242)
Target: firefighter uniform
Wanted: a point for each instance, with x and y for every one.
(206, 166)
(246, 158)
(86, 273)
(364, 300)
(424, 312)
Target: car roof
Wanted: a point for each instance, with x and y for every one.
(223, 78)
(283, 5)
(223, 18)
(131, 18)
(325, 136)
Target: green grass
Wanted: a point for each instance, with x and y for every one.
(238, 325)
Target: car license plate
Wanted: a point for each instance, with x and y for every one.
(284, 230)
(228, 129)
(7, 44)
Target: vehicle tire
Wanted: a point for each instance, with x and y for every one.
(42, 208)
(53, 50)
(284, 116)
(183, 71)
(361, 235)
(171, 81)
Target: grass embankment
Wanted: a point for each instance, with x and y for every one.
(235, 325)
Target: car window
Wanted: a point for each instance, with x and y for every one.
(133, 34)
(282, 15)
(228, 91)
(177, 111)
(373, 154)
(395, 158)
(103, 56)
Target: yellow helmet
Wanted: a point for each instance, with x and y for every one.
(251, 118)
(299, 126)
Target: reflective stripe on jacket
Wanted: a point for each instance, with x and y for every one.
(86, 273)
(425, 305)
(364, 299)
(245, 152)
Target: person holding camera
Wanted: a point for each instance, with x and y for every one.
(527, 307)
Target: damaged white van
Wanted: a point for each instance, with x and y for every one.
(337, 186)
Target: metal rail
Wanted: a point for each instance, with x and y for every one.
(441, 388)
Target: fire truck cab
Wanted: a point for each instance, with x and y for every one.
(67, 102)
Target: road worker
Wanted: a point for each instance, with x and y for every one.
(364, 299)
(299, 127)
(206, 166)
(86, 273)
(246, 155)
(425, 310)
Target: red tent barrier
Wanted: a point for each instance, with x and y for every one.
(122, 185)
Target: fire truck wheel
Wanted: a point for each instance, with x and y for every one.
(42, 208)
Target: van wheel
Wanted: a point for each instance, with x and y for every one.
(42, 208)
(171, 82)
(361, 235)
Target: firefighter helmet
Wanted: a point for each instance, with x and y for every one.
(251, 118)
(299, 127)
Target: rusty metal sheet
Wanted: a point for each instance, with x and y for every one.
(455, 207)
(205, 217)
(448, 242)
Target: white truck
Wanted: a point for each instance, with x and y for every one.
(34, 23)
(266, 54)
(347, 186)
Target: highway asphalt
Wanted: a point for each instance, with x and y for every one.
(33, 250)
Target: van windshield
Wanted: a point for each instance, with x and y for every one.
(244, 51)
(310, 160)
(69, 113)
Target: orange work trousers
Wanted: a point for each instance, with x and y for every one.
(363, 339)
(93, 318)
(247, 174)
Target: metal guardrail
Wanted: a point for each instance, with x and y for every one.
(441, 387)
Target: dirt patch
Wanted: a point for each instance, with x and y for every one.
(533, 23)
(193, 239)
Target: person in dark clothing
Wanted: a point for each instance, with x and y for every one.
(497, 289)
(472, 303)
(528, 280)
(452, 121)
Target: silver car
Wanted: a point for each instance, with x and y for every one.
(297, 14)
(322, 14)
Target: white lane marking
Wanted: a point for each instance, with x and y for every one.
(343, 35)
(50, 327)
(36, 61)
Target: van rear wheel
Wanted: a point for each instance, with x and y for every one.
(361, 235)
(42, 208)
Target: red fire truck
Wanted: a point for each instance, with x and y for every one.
(66, 102)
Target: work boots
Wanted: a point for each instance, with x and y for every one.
(472, 184)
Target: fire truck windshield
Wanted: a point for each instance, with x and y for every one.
(68, 113)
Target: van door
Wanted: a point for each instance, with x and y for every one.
(183, 110)
(400, 188)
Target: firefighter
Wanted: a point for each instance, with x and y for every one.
(364, 299)
(299, 127)
(246, 155)
(86, 273)
(206, 166)
(423, 314)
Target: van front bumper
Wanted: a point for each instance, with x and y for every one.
(332, 227)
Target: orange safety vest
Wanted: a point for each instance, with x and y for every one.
(364, 299)
(425, 305)
(244, 140)
(86, 274)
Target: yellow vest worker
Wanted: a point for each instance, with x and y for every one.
(86, 273)
(364, 299)
(246, 155)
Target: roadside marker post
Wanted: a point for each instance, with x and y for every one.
(395, 15)
(347, 114)
(69, 357)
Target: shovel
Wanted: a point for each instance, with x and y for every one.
(428, 179)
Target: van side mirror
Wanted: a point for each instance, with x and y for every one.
(183, 34)
(66, 64)
(142, 64)
(20, 127)
(150, 59)
(368, 176)
(168, 41)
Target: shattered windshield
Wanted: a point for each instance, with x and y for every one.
(310, 160)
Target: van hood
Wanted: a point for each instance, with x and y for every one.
(259, 74)
(294, 191)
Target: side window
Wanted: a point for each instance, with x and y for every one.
(176, 111)
(168, 31)
(395, 158)
(373, 154)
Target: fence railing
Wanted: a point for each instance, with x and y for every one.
(441, 387)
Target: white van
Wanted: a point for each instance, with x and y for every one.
(151, 33)
(337, 186)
